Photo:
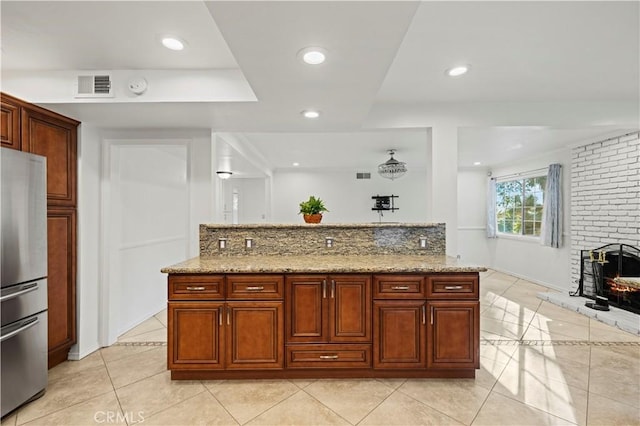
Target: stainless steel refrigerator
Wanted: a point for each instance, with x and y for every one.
(23, 275)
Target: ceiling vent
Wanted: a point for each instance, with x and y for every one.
(363, 175)
(94, 86)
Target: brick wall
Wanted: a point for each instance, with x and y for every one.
(605, 196)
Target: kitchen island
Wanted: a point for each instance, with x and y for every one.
(317, 315)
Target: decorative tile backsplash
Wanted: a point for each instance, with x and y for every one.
(330, 239)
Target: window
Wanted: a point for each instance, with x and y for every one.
(519, 206)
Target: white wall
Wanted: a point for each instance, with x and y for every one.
(472, 217)
(347, 198)
(252, 200)
(92, 331)
(88, 238)
(526, 258)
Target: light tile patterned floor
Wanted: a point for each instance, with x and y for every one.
(541, 365)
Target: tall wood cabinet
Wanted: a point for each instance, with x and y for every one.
(29, 128)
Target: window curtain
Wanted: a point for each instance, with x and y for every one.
(551, 232)
(491, 208)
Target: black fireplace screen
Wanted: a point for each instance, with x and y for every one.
(600, 267)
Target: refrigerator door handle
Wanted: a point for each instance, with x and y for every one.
(23, 290)
(26, 325)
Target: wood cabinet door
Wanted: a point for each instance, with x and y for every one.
(349, 308)
(10, 123)
(453, 334)
(306, 309)
(399, 334)
(254, 335)
(61, 282)
(195, 331)
(54, 137)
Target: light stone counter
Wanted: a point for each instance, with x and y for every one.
(321, 264)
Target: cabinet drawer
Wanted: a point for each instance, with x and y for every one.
(459, 286)
(398, 287)
(196, 287)
(329, 356)
(251, 287)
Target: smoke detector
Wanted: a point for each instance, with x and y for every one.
(137, 85)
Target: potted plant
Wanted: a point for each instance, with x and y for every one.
(312, 209)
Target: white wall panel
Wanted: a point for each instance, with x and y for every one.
(347, 198)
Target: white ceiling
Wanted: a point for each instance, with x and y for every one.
(386, 63)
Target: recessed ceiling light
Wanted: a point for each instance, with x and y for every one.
(310, 113)
(457, 71)
(296, 164)
(477, 163)
(172, 43)
(313, 55)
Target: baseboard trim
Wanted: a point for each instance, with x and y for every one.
(533, 280)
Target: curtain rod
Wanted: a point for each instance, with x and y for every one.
(542, 169)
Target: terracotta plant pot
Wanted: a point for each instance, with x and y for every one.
(313, 218)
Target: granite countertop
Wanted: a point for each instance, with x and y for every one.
(321, 264)
(321, 225)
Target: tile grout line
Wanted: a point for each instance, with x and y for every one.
(586, 414)
(377, 405)
(173, 405)
(113, 387)
(324, 405)
(63, 408)
(429, 406)
(220, 402)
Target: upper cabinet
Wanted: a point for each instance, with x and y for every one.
(54, 137)
(10, 122)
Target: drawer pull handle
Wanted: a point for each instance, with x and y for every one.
(196, 288)
(324, 289)
(328, 356)
(424, 314)
(400, 287)
(453, 287)
(255, 288)
(333, 288)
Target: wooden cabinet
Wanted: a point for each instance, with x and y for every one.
(218, 334)
(316, 325)
(195, 335)
(29, 128)
(61, 282)
(453, 334)
(254, 338)
(399, 334)
(328, 309)
(55, 138)
(10, 122)
(399, 321)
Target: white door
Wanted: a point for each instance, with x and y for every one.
(145, 228)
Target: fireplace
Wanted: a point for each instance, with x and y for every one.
(599, 269)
